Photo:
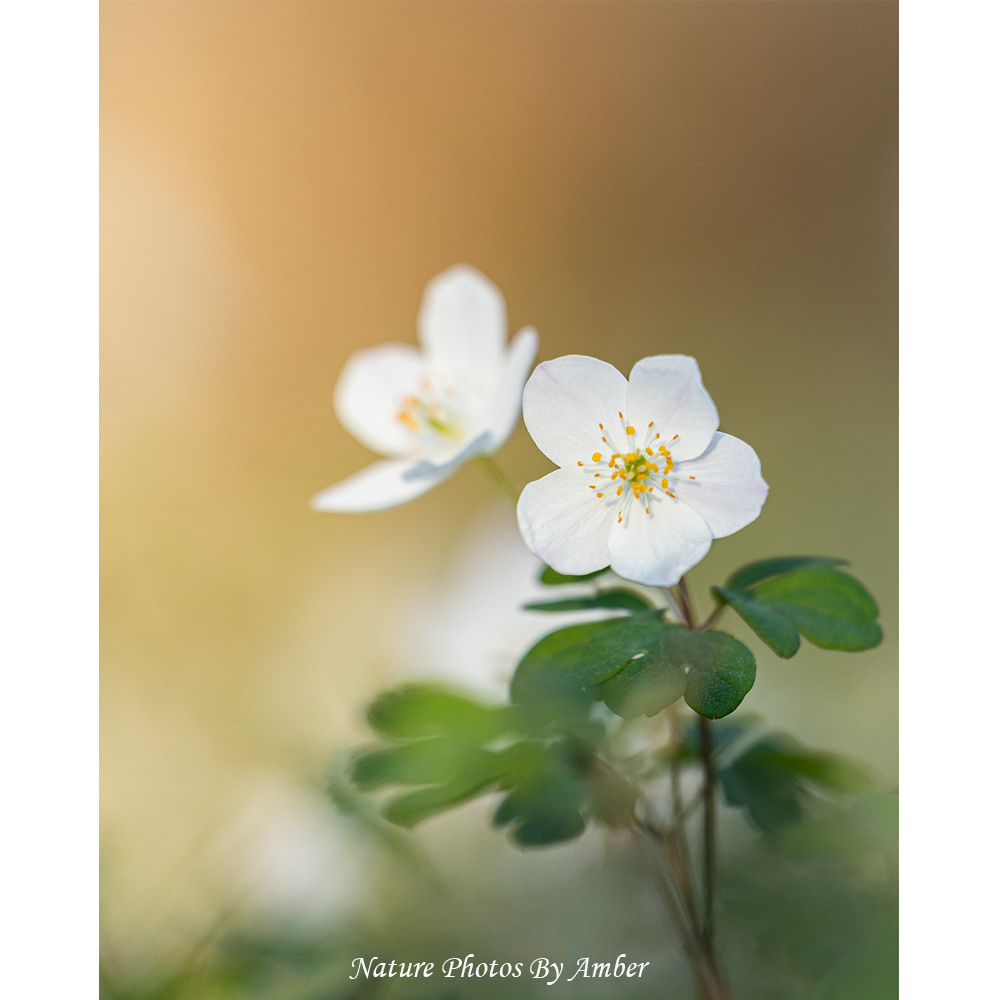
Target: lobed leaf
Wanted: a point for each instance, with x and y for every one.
(773, 780)
(755, 572)
(415, 711)
(583, 655)
(544, 808)
(712, 670)
(831, 609)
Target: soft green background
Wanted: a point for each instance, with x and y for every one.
(280, 180)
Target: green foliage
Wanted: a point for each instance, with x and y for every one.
(639, 666)
(617, 598)
(747, 576)
(781, 598)
(711, 670)
(442, 749)
(553, 579)
(776, 779)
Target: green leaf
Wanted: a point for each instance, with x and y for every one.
(722, 672)
(545, 808)
(770, 624)
(712, 670)
(754, 572)
(424, 762)
(618, 598)
(648, 684)
(772, 780)
(553, 579)
(831, 609)
(414, 711)
(410, 808)
(582, 655)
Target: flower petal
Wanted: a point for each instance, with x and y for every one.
(666, 389)
(505, 406)
(727, 489)
(462, 324)
(447, 463)
(379, 486)
(564, 402)
(660, 547)
(564, 523)
(369, 392)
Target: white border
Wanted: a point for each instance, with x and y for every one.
(949, 507)
(48, 422)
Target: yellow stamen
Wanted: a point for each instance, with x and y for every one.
(620, 414)
(593, 487)
(579, 463)
(600, 494)
(690, 477)
(649, 451)
(664, 484)
(619, 491)
(675, 437)
(669, 494)
(647, 510)
(630, 430)
(597, 456)
(601, 426)
(651, 423)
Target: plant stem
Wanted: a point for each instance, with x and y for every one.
(712, 618)
(708, 850)
(675, 605)
(682, 588)
(495, 475)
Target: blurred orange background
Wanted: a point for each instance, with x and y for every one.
(280, 180)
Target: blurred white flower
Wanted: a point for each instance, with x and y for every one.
(290, 858)
(645, 482)
(431, 410)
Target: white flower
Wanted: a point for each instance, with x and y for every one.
(645, 482)
(431, 410)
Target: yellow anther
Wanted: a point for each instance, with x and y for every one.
(593, 487)
(654, 466)
(675, 437)
(690, 477)
(662, 450)
(664, 483)
(630, 430)
(649, 451)
(620, 414)
(647, 510)
(651, 423)
(630, 457)
(657, 434)
(600, 494)
(597, 475)
(669, 494)
(596, 456)
(619, 491)
(601, 426)
(579, 463)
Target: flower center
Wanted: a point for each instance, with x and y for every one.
(433, 412)
(639, 471)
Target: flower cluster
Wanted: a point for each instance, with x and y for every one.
(645, 481)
